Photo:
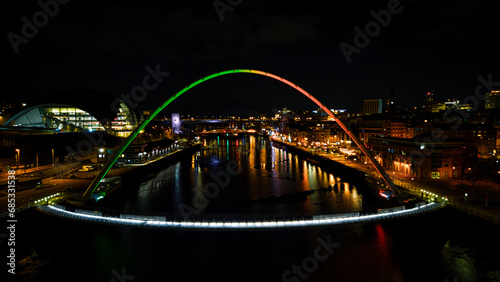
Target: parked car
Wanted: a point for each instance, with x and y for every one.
(86, 168)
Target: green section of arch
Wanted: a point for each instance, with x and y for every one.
(139, 128)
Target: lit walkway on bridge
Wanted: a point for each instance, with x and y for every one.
(161, 222)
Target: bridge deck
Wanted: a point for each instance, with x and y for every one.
(158, 222)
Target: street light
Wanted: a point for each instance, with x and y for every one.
(18, 158)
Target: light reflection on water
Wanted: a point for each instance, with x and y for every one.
(272, 180)
(460, 258)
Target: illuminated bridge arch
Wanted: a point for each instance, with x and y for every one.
(132, 136)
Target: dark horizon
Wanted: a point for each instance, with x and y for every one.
(427, 46)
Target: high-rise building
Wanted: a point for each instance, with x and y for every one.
(372, 106)
(492, 100)
(430, 105)
(429, 98)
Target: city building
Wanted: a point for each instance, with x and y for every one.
(401, 129)
(424, 157)
(482, 135)
(372, 106)
(76, 111)
(429, 103)
(492, 99)
(496, 152)
(382, 126)
(436, 107)
(371, 126)
(429, 98)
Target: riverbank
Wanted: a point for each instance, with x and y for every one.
(26, 197)
(483, 199)
(348, 172)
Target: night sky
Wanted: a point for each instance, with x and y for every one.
(437, 46)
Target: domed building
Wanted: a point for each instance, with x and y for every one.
(79, 110)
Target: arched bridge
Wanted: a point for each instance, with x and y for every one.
(134, 134)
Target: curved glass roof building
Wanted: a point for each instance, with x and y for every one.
(82, 110)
